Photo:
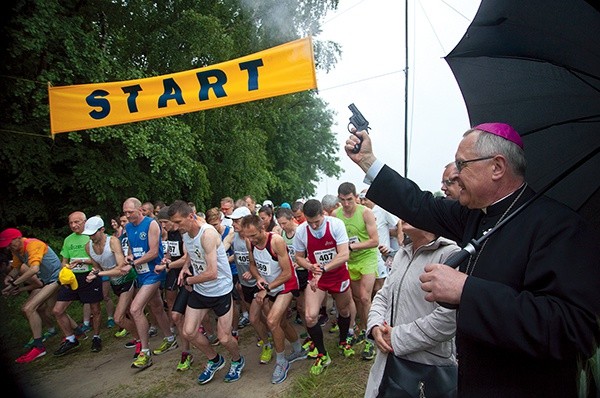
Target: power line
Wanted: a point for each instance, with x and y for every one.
(363, 80)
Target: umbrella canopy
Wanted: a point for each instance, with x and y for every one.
(536, 65)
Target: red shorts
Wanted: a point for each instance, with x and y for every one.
(335, 281)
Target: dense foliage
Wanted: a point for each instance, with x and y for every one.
(272, 148)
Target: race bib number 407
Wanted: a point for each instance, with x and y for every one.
(324, 257)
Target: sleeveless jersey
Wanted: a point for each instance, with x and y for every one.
(224, 282)
(124, 242)
(269, 268)
(357, 232)
(173, 245)
(290, 244)
(321, 251)
(138, 241)
(229, 251)
(242, 260)
(108, 261)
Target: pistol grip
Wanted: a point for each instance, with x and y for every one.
(356, 148)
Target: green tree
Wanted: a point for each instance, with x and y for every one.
(274, 147)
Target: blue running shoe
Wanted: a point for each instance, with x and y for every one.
(210, 370)
(235, 371)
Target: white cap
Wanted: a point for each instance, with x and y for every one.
(93, 225)
(268, 203)
(239, 213)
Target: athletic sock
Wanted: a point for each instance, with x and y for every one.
(297, 346)
(280, 357)
(316, 334)
(344, 325)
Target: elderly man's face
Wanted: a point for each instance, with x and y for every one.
(449, 184)
(77, 222)
(475, 179)
(134, 214)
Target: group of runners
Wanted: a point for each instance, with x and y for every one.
(199, 277)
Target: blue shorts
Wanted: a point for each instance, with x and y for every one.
(150, 278)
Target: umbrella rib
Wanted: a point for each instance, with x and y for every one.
(583, 119)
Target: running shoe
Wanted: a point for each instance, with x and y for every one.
(298, 320)
(142, 361)
(334, 327)
(280, 373)
(369, 351)
(49, 333)
(66, 347)
(321, 363)
(152, 331)
(131, 343)
(244, 321)
(296, 356)
(362, 336)
(121, 333)
(235, 371)
(266, 353)
(346, 349)
(138, 349)
(29, 344)
(323, 318)
(186, 362)
(213, 339)
(110, 323)
(166, 346)
(80, 332)
(96, 344)
(309, 347)
(32, 355)
(351, 339)
(85, 328)
(260, 343)
(235, 335)
(210, 370)
(307, 343)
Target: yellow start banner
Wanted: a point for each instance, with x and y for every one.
(284, 69)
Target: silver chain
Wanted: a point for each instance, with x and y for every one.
(471, 266)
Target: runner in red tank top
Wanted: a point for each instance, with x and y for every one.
(321, 244)
(271, 266)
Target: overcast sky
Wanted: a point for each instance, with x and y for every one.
(370, 75)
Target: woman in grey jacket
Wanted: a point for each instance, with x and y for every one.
(422, 331)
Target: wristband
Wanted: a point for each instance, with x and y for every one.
(167, 264)
(323, 270)
(266, 286)
(95, 272)
(13, 283)
(185, 281)
(350, 247)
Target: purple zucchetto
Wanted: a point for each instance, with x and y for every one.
(502, 130)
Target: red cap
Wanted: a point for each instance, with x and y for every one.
(8, 235)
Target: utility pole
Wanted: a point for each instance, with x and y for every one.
(406, 91)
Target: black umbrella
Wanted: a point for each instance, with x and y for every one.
(535, 64)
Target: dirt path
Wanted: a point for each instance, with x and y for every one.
(109, 374)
